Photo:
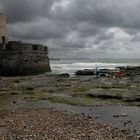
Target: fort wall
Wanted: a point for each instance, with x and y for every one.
(23, 59)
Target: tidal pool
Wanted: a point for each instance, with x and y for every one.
(105, 114)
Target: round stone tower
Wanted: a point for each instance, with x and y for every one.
(3, 30)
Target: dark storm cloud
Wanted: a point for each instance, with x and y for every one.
(26, 10)
(103, 12)
(41, 29)
(76, 26)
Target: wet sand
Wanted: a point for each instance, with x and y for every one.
(129, 122)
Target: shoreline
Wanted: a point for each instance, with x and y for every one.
(97, 96)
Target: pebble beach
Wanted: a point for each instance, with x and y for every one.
(46, 124)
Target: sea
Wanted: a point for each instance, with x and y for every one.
(72, 65)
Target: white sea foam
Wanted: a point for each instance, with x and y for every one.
(71, 66)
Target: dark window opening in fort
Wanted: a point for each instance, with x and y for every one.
(3, 40)
(35, 47)
(45, 49)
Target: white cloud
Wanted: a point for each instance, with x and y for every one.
(119, 34)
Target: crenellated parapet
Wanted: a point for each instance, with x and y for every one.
(17, 46)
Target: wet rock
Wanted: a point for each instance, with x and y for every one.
(85, 72)
(138, 137)
(83, 114)
(116, 116)
(89, 116)
(104, 96)
(135, 131)
(15, 92)
(123, 115)
(64, 74)
(103, 72)
(17, 81)
(127, 122)
(25, 98)
(137, 99)
(29, 88)
(1, 94)
(120, 115)
(14, 102)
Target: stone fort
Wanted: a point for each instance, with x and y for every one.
(17, 58)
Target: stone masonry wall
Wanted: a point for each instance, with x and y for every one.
(23, 59)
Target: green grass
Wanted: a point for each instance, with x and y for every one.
(71, 101)
(81, 89)
(37, 98)
(85, 101)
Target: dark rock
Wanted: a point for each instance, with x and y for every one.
(103, 72)
(120, 115)
(14, 93)
(83, 114)
(64, 74)
(14, 102)
(127, 71)
(17, 81)
(1, 94)
(124, 131)
(137, 99)
(104, 96)
(25, 98)
(85, 72)
(129, 121)
(89, 116)
(29, 88)
(132, 71)
(116, 116)
(135, 131)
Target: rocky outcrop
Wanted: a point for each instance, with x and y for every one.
(103, 72)
(132, 71)
(119, 71)
(85, 72)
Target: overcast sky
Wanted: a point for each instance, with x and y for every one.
(77, 28)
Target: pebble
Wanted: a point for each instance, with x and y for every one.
(39, 124)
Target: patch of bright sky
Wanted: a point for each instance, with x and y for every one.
(61, 3)
(119, 34)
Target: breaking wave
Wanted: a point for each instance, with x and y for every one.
(71, 66)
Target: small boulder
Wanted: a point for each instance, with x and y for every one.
(120, 115)
(14, 102)
(64, 74)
